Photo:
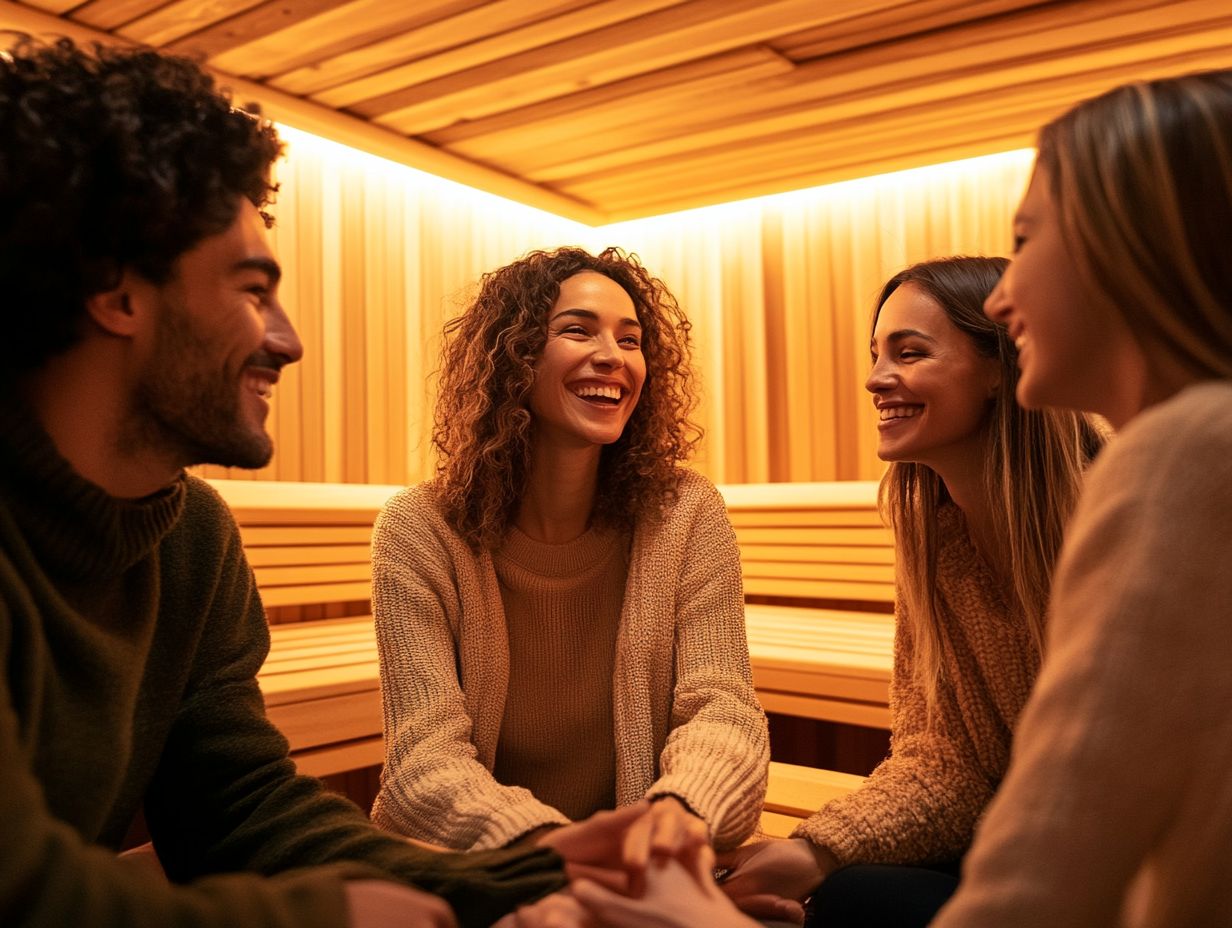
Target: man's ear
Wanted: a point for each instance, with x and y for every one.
(117, 311)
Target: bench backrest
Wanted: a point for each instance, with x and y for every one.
(814, 542)
(308, 543)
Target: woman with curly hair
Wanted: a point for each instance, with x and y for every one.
(559, 612)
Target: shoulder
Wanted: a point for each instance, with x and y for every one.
(412, 518)
(206, 514)
(1176, 449)
(694, 492)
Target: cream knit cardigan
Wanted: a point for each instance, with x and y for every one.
(686, 718)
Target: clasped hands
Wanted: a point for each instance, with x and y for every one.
(649, 864)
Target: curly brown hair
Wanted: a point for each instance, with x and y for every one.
(484, 428)
(112, 159)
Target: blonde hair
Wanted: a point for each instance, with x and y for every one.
(1142, 180)
(1032, 474)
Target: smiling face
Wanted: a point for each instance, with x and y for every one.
(1072, 354)
(219, 340)
(589, 375)
(933, 390)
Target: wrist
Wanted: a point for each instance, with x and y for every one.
(818, 855)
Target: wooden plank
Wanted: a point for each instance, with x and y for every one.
(308, 554)
(1008, 54)
(312, 575)
(776, 825)
(339, 758)
(180, 18)
(492, 137)
(879, 26)
(833, 554)
(671, 36)
(110, 14)
(838, 536)
(831, 494)
(317, 593)
(820, 589)
(285, 689)
(252, 25)
(477, 37)
(315, 722)
(255, 536)
(804, 570)
(332, 32)
(800, 791)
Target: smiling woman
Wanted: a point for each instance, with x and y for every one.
(977, 493)
(559, 613)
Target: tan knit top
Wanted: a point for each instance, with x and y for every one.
(921, 804)
(1117, 808)
(685, 717)
(562, 610)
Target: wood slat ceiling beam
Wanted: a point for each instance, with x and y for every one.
(347, 130)
(603, 109)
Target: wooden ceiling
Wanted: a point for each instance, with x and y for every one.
(613, 109)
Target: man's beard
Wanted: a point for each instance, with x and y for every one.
(191, 409)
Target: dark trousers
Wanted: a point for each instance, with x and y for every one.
(878, 896)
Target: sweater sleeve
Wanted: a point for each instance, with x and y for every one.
(1123, 751)
(226, 795)
(434, 787)
(717, 752)
(921, 803)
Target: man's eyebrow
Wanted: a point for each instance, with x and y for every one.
(593, 316)
(268, 266)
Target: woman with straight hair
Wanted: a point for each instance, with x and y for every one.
(977, 493)
(559, 612)
(1117, 808)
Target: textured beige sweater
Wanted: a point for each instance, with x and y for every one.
(686, 719)
(921, 804)
(1117, 808)
(562, 610)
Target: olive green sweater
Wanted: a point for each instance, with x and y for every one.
(130, 637)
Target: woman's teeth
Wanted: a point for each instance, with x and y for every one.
(898, 412)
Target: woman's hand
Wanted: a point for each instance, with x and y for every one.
(594, 847)
(559, 910)
(766, 872)
(668, 829)
(673, 897)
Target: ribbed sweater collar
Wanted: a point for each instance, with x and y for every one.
(570, 559)
(76, 528)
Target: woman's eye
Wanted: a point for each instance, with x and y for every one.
(574, 330)
(908, 355)
(631, 341)
(1018, 243)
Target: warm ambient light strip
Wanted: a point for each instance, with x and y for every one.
(498, 207)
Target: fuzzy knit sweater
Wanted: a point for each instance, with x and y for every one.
(921, 804)
(1117, 808)
(131, 633)
(686, 721)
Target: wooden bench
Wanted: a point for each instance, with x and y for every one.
(821, 658)
(794, 793)
(818, 569)
(308, 545)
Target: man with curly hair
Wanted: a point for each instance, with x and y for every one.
(144, 334)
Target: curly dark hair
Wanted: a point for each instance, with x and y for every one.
(111, 159)
(484, 428)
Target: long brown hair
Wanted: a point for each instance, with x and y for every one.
(484, 428)
(1142, 179)
(1032, 473)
